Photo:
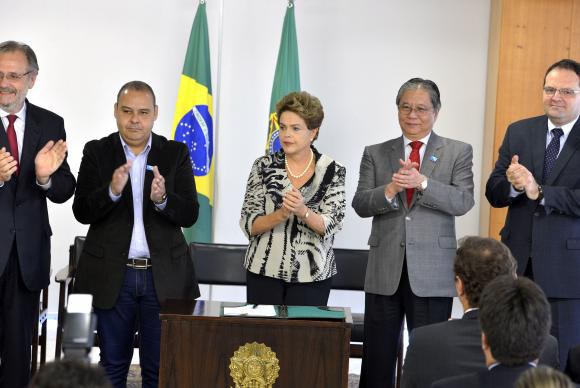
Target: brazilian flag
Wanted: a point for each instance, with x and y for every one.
(286, 78)
(193, 123)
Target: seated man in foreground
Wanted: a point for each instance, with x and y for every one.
(515, 321)
(453, 347)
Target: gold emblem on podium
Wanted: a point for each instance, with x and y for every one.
(254, 366)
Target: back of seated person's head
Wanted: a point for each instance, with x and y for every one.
(70, 374)
(515, 319)
(543, 377)
(478, 261)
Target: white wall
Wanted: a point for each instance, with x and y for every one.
(354, 55)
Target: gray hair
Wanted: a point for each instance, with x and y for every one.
(420, 83)
(11, 46)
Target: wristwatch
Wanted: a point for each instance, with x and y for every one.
(161, 201)
(540, 193)
(423, 185)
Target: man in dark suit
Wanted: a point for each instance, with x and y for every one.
(136, 190)
(413, 186)
(537, 176)
(453, 347)
(32, 168)
(515, 323)
(573, 364)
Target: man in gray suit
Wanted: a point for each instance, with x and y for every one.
(413, 186)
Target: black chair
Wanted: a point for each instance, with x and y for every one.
(39, 339)
(65, 278)
(351, 265)
(219, 264)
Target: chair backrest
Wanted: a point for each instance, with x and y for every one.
(219, 263)
(351, 265)
(75, 253)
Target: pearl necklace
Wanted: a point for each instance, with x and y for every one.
(303, 172)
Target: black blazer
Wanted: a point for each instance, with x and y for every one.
(23, 209)
(453, 348)
(102, 263)
(573, 364)
(498, 377)
(549, 234)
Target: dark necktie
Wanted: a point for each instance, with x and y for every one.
(414, 157)
(11, 133)
(552, 152)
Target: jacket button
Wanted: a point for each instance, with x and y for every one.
(536, 214)
(402, 244)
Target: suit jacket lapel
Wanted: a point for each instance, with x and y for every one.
(121, 159)
(397, 152)
(538, 135)
(152, 160)
(30, 145)
(3, 136)
(432, 155)
(570, 147)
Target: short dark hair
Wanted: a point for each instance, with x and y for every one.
(70, 374)
(11, 46)
(566, 64)
(138, 86)
(478, 261)
(515, 318)
(543, 377)
(420, 83)
(304, 105)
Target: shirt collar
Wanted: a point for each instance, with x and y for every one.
(566, 128)
(423, 140)
(128, 149)
(21, 114)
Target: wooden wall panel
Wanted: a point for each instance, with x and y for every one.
(534, 34)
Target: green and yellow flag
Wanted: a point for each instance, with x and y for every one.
(193, 122)
(287, 76)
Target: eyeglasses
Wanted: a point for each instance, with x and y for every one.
(14, 76)
(564, 92)
(420, 110)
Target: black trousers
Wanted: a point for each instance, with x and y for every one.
(17, 312)
(384, 328)
(265, 290)
(565, 320)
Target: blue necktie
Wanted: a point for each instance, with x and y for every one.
(552, 152)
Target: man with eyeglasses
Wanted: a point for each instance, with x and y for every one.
(33, 168)
(537, 176)
(413, 186)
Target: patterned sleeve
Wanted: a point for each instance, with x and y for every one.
(333, 204)
(254, 199)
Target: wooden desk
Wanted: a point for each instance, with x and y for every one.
(197, 344)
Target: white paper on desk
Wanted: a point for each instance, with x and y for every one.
(250, 310)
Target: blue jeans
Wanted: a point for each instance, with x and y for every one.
(137, 308)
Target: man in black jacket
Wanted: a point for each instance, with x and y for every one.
(515, 322)
(136, 190)
(33, 168)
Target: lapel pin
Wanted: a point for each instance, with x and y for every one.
(433, 158)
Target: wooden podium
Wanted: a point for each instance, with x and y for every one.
(197, 344)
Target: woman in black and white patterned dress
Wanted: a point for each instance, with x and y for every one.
(293, 206)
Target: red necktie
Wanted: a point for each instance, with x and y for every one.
(11, 133)
(414, 157)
